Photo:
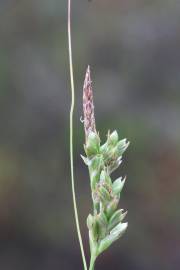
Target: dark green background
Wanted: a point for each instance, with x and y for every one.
(133, 48)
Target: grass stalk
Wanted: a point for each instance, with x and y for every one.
(92, 262)
(71, 136)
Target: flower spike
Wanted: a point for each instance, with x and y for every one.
(88, 105)
(105, 224)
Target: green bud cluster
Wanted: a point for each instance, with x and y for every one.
(105, 225)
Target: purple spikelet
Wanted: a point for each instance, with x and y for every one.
(88, 105)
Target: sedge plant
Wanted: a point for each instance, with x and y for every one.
(106, 222)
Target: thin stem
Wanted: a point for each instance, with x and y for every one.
(92, 262)
(71, 136)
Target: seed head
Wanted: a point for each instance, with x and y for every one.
(88, 105)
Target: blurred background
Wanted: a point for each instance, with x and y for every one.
(133, 50)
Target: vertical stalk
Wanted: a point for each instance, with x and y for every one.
(92, 262)
(71, 136)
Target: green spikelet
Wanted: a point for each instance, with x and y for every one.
(105, 224)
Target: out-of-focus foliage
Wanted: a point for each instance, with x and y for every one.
(133, 50)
